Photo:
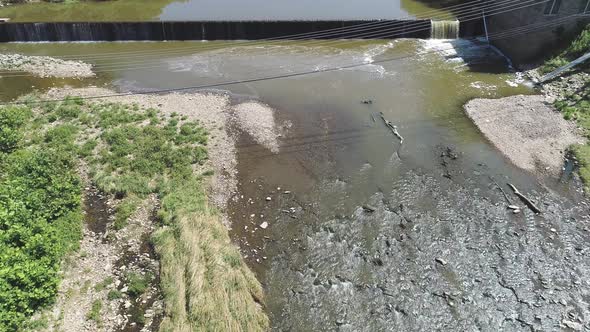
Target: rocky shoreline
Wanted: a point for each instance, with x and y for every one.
(528, 129)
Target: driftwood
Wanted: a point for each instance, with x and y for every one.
(502, 190)
(525, 199)
(393, 129)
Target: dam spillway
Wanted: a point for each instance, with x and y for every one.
(219, 30)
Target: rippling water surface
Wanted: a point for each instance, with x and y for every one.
(439, 251)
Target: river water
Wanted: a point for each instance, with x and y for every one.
(440, 251)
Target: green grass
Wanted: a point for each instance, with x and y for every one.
(103, 284)
(124, 210)
(94, 313)
(131, 153)
(114, 294)
(578, 47)
(137, 283)
(582, 153)
(576, 106)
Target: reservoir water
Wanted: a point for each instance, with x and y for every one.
(210, 10)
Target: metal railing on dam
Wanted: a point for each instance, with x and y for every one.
(212, 30)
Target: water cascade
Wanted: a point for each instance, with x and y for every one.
(444, 29)
(204, 30)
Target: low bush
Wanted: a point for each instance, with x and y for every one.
(40, 217)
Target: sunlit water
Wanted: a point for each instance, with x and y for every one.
(325, 263)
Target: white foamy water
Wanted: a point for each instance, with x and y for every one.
(459, 51)
(279, 59)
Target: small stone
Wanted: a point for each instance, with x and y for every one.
(286, 192)
(572, 325)
(441, 261)
(264, 225)
(252, 215)
(517, 211)
(553, 230)
(268, 199)
(127, 304)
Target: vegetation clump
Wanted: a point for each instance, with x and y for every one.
(40, 214)
(576, 105)
(131, 153)
(576, 49)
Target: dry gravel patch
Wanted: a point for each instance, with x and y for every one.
(44, 66)
(527, 130)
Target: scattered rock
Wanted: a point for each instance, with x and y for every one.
(572, 325)
(264, 225)
(441, 261)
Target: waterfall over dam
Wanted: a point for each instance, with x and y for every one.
(217, 30)
(444, 29)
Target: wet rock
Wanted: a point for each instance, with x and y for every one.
(377, 261)
(572, 325)
(441, 261)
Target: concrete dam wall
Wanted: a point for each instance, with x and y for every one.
(209, 30)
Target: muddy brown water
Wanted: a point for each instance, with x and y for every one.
(440, 251)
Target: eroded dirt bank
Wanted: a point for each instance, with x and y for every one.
(527, 130)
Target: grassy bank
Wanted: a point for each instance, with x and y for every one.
(82, 10)
(575, 105)
(577, 48)
(131, 153)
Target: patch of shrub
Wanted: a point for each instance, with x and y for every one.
(40, 221)
(137, 283)
(114, 294)
(124, 210)
(94, 313)
(12, 119)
